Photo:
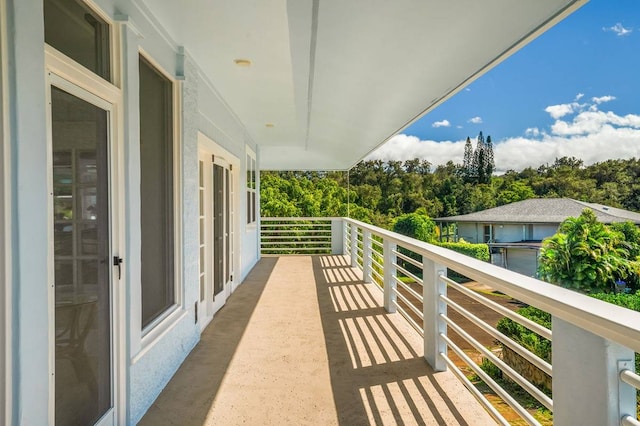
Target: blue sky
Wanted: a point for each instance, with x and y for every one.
(575, 90)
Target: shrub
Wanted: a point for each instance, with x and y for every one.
(416, 225)
(479, 251)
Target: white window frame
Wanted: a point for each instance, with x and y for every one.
(155, 330)
(251, 186)
(63, 70)
(5, 230)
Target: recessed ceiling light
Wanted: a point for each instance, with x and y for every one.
(269, 125)
(242, 62)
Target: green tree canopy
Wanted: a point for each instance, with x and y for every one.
(416, 225)
(585, 255)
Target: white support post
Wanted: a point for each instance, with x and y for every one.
(389, 285)
(432, 307)
(366, 256)
(338, 227)
(354, 245)
(587, 389)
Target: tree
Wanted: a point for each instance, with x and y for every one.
(467, 162)
(490, 163)
(585, 255)
(416, 225)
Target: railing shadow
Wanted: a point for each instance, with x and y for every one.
(198, 380)
(377, 375)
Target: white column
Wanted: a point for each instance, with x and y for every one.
(366, 256)
(586, 386)
(389, 276)
(354, 245)
(432, 307)
(338, 227)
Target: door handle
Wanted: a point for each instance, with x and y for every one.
(117, 261)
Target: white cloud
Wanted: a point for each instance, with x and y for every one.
(602, 99)
(558, 111)
(443, 123)
(532, 131)
(458, 127)
(618, 29)
(591, 135)
(475, 120)
(579, 96)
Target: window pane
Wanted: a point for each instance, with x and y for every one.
(156, 193)
(78, 32)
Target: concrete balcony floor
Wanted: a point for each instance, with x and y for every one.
(304, 341)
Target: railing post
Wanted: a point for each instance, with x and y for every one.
(354, 245)
(366, 255)
(338, 227)
(389, 284)
(432, 307)
(586, 386)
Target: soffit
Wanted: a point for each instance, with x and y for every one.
(338, 78)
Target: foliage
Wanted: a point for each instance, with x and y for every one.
(416, 225)
(377, 192)
(478, 164)
(629, 301)
(479, 251)
(585, 255)
(527, 338)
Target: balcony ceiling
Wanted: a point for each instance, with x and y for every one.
(337, 78)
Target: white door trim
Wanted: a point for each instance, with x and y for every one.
(230, 161)
(66, 75)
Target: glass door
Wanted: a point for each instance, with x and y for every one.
(221, 208)
(82, 262)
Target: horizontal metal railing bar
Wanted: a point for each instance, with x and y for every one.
(407, 273)
(475, 392)
(380, 277)
(508, 370)
(297, 231)
(630, 378)
(408, 303)
(512, 344)
(308, 237)
(519, 409)
(295, 224)
(604, 319)
(295, 248)
(375, 263)
(377, 243)
(629, 421)
(301, 219)
(525, 322)
(406, 316)
(408, 259)
(408, 289)
(327, 243)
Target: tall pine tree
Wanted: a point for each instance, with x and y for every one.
(467, 161)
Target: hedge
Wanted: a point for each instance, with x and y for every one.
(479, 251)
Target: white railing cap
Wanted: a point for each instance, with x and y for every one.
(604, 319)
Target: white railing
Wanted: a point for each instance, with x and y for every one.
(593, 342)
(297, 235)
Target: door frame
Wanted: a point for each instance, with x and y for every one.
(65, 74)
(207, 146)
(5, 232)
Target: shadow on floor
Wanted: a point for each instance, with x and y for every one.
(376, 373)
(197, 382)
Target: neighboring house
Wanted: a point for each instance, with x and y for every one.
(132, 136)
(514, 232)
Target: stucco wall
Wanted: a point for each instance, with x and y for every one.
(508, 233)
(540, 232)
(148, 366)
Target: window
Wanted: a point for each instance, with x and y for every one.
(78, 32)
(251, 187)
(156, 193)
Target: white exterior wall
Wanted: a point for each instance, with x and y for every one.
(507, 233)
(540, 232)
(469, 231)
(150, 360)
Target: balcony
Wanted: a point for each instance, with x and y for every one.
(336, 337)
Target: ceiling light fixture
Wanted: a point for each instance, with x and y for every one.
(242, 62)
(269, 125)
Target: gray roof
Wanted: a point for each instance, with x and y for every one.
(544, 210)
